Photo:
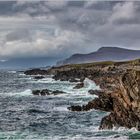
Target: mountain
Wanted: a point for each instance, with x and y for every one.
(102, 54)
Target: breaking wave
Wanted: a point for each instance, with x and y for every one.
(27, 92)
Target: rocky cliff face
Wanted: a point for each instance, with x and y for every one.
(126, 103)
(123, 102)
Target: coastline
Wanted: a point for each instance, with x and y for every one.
(120, 89)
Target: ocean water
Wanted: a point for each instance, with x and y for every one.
(25, 116)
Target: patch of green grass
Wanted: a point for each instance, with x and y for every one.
(96, 64)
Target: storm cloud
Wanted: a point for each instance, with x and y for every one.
(61, 28)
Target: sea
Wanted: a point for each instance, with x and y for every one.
(24, 116)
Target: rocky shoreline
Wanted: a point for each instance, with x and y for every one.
(120, 89)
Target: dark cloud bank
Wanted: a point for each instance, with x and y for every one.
(57, 29)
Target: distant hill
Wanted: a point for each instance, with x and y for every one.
(21, 63)
(103, 54)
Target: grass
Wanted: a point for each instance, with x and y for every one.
(96, 64)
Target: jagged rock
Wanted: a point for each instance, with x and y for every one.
(36, 92)
(106, 122)
(45, 92)
(104, 102)
(126, 102)
(41, 92)
(79, 85)
(95, 92)
(36, 72)
(56, 92)
(123, 102)
(75, 108)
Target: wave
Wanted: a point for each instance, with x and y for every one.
(60, 109)
(77, 96)
(49, 80)
(89, 84)
(46, 80)
(96, 134)
(65, 86)
(81, 137)
(12, 71)
(27, 92)
(22, 74)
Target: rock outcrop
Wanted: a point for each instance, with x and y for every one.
(36, 72)
(126, 102)
(39, 77)
(79, 85)
(123, 102)
(104, 102)
(45, 92)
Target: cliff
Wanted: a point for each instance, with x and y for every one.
(120, 94)
(125, 107)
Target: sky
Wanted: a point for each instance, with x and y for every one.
(57, 29)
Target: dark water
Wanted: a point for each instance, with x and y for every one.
(24, 116)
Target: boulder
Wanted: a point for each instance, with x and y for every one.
(56, 92)
(36, 92)
(41, 92)
(75, 108)
(95, 92)
(45, 92)
(39, 77)
(79, 85)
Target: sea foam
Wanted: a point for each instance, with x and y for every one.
(27, 92)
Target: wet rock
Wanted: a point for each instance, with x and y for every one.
(36, 72)
(82, 79)
(79, 85)
(36, 92)
(56, 92)
(35, 111)
(45, 92)
(75, 108)
(41, 92)
(106, 123)
(104, 102)
(39, 77)
(95, 92)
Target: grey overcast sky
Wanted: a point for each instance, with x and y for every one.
(61, 28)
